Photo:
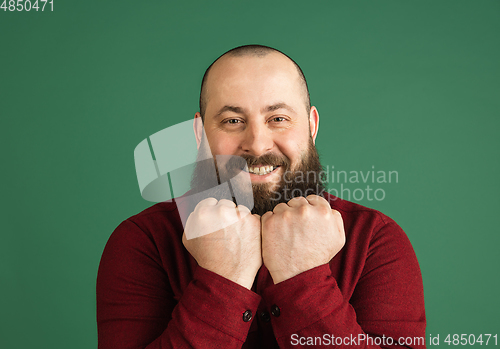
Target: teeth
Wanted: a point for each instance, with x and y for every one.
(261, 170)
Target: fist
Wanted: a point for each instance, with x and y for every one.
(300, 235)
(225, 239)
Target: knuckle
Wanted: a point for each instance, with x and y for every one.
(255, 219)
(242, 209)
(225, 202)
(266, 216)
(204, 211)
(304, 209)
(207, 202)
(316, 199)
(280, 206)
(324, 211)
(301, 199)
(226, 210)
(286, 216)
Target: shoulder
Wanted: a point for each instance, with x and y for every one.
(355, 212)
(154, 226)
(158, 216)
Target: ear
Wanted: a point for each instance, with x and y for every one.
(314, 123)
(198, 128)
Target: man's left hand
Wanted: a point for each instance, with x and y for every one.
(300, 235)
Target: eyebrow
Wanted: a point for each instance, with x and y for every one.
(277, 106)
(239, 110)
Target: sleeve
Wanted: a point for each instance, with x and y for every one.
(136, 307)
(386, 309)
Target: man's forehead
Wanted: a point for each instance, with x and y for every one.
(244, 66)
(231, 75)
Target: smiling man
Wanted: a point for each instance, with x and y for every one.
(302, 267)
(254, 103)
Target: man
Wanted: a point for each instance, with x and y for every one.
(303, 268)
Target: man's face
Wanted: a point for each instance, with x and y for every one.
(256, 106)
(256, 109)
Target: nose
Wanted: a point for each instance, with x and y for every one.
(257, 140)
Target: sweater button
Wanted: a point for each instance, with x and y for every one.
(247, 316)
(265, 316)
(275, 310)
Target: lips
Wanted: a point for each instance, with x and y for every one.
(261, 170)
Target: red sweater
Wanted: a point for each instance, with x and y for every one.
(152, 294)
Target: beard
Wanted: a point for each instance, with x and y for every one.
(304, 179)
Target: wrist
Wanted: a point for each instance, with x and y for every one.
(241, 278)
(283, 275)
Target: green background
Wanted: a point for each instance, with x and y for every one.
(407, 86)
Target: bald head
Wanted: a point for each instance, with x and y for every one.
(259, 54)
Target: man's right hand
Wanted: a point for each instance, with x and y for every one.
(232, 249)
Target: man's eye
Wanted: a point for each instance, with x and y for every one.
(232, 121)
(279, 119)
